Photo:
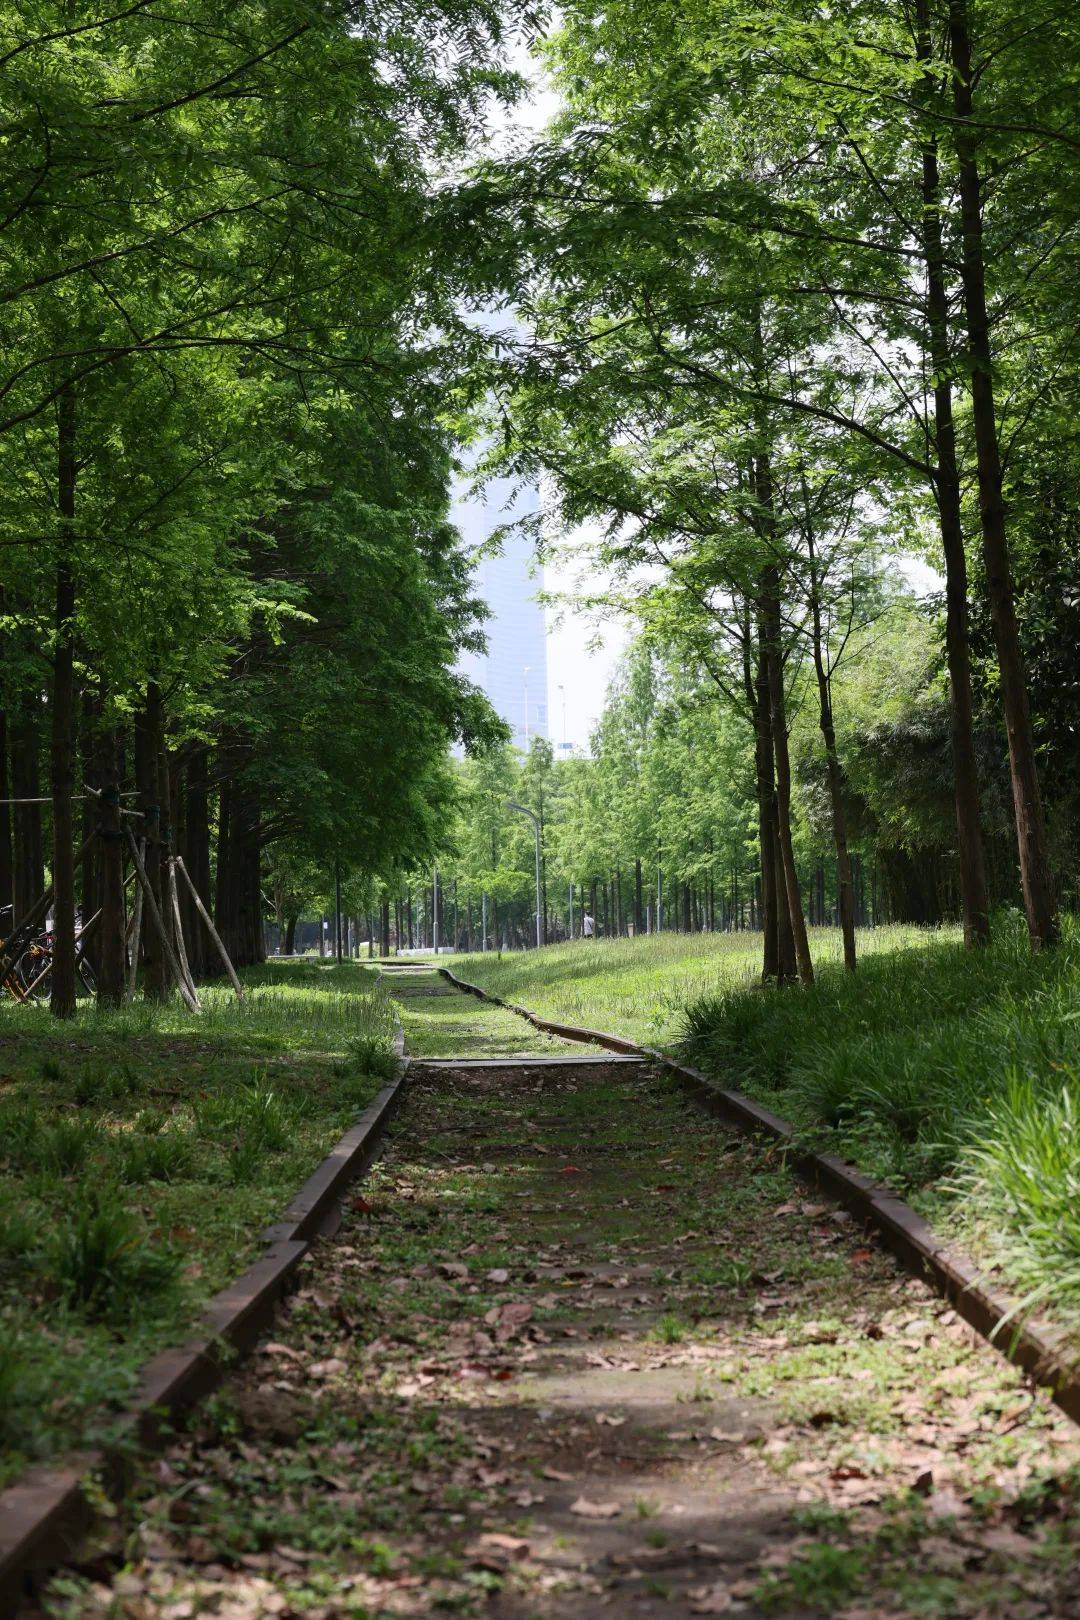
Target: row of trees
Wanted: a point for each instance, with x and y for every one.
(656, 826)
(231, 603)
(799, 288)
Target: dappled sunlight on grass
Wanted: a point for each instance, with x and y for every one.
(641, 987)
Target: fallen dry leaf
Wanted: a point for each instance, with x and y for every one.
(495, 1540)
(709, 1600)
(595, 1510)
(328, 1369)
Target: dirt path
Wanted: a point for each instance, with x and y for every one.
(580, 1351)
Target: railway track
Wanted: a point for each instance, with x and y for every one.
(579, 1350)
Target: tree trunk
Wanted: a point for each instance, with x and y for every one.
(386, 928)
(289, 947)
(90, 741)
(845, 896)
(112, 929)
(238, 895)
(29, 852)
(147, 743)
(639, 909)
(7, 868)
(781, 757)
(1039, 901)
(772, 970)
(62, 751)
(196, 853)
(974, 895)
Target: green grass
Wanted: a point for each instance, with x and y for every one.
(440, 1022)
(952, 1075)
(641, 987)
(141, 1153)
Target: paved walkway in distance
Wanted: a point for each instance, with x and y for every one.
(580, 1351)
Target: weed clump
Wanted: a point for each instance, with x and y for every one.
(100, 1259)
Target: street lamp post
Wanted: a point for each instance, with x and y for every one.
(523, 810)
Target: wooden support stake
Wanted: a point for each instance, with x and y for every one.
(174, 902)
(191, 1001)
(211, 930)
(136, 934)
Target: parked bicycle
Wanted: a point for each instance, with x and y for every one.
(30, 970)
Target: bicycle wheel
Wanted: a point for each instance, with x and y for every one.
(28, 970)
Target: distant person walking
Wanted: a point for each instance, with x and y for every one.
(588, 926)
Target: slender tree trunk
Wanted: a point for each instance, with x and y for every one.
(26, 785)
(62, 752)
(782, 759)
(974, 895)
(776, 969)
(845, 888)
(7, 868)
(196, 853)
(290, 934)
(639, 909)
(112, 930)
(1035, 876)
(386, 928)
(147, 743)
(92, 775)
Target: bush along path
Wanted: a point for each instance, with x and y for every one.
(579, 1350)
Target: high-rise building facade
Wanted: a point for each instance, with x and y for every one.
(513, 672)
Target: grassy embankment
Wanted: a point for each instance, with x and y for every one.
(952, 1075)
(440, 1022)
(141, 1153)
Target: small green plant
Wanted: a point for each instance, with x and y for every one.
(18, 1388)
(670, 1329)
(256, 1112)
(823, 1576)
(99, 1257)
(105, 1082)
(18, 1233)
(19, 1128)
(167, 1157)
(63, 1148)
(372, 1054)
(245, 1157)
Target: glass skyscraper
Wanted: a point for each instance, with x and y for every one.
(513, 672)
